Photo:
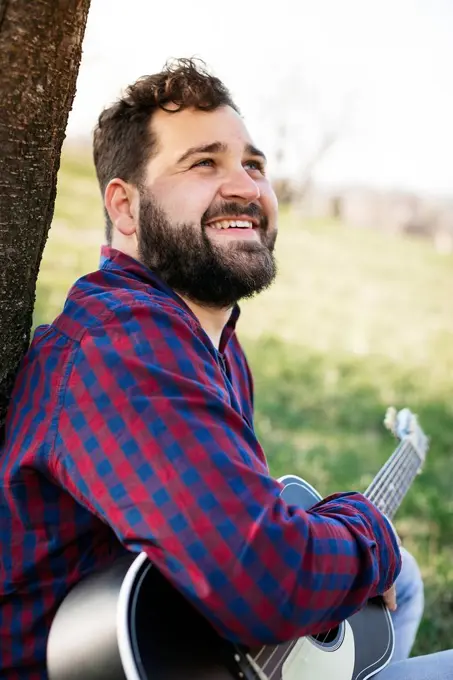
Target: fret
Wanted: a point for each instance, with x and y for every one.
(392, 482)
(395, 500)
(269, 660)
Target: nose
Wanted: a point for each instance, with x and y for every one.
(239, 185)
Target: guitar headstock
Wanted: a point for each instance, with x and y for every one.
(405, 426)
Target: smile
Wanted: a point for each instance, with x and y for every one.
(239, 222)
(232, 224)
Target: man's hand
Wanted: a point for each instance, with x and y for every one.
(390, 598)
(390, 595)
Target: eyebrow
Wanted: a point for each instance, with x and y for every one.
(218, 147)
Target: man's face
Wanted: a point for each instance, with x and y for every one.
(208, 214)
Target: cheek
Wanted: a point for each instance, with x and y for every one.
(270, 204)
(186, 201)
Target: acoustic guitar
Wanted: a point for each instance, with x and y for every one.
(129, 623)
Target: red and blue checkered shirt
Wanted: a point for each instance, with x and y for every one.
(129, 431)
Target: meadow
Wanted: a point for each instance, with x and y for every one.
(357, 320)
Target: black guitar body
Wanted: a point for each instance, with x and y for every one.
(129, 623)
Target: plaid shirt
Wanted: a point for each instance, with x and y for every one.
(129, 431)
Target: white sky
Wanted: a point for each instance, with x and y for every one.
(386, 65)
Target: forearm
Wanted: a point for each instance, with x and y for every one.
(295, 573)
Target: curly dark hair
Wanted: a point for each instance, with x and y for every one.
(123, 141)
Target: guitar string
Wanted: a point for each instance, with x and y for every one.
(391, 500)
(396, 465)
(265, 665)
(403, 491)
(394, 496)
(269, 659)
(256, 658)
(291, 646)
(386, 471)
(396, 501)
(400, 465)
(400, 462)
(386, 485)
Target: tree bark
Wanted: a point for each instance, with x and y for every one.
(40, 52)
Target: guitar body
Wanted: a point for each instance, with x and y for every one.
(129, 623)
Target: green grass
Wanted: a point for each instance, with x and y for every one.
(356, 321)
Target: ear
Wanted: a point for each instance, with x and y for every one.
(121, 202)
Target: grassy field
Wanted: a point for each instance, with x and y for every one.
(356, 321)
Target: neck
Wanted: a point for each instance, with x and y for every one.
(212, 320)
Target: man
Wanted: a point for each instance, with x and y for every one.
(131, 422)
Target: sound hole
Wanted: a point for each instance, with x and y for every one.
(329, 638)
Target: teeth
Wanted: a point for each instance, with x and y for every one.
(226, 224)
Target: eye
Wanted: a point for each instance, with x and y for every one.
(204, 163)
(255, 165)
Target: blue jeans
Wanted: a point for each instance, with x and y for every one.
(406, 619)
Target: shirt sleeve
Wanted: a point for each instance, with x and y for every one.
(148, 441)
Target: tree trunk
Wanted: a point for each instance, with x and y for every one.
(40, 52)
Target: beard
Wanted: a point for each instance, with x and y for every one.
(206, 272)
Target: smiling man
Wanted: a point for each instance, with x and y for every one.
(131, 423)
(201, 213)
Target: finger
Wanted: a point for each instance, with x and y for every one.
(390, 599)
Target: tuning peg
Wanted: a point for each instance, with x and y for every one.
(390, 419)
(413, 424)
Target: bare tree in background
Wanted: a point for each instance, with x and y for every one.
(40, 53)
(303, 130)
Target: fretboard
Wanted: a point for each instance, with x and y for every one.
(393, 480)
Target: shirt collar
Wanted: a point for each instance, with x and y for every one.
(125, 264)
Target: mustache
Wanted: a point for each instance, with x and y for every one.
(235, 210)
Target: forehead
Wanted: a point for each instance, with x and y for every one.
(177, 132)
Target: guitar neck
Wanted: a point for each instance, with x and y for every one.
(394, 479)
(386, 491)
